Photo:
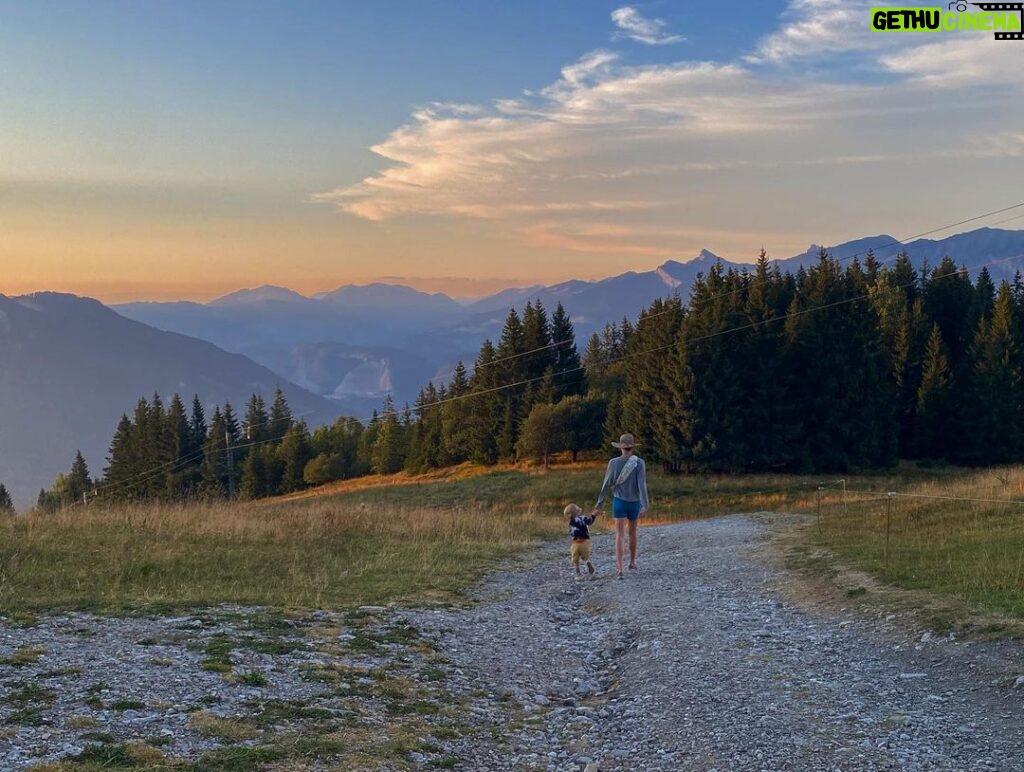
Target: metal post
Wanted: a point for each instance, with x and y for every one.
(888, 527)
(231, 465)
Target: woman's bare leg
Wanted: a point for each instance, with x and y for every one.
(632, 543)
(620, 543)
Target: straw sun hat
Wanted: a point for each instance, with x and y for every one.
(625, 441)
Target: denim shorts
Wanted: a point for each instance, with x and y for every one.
(627, 509)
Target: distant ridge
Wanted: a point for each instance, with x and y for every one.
(405, 336)
(72, 367)
(266, 293)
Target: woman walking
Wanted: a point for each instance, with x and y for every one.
(627, 479)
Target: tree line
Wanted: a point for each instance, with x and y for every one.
(170, 453)
(834, 367)
(830, 368)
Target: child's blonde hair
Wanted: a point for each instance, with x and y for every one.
(571, 510)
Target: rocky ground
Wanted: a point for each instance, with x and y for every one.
(697, 661)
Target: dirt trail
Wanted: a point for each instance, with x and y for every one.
(697, 662)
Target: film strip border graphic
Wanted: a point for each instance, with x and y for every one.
(1018, 7)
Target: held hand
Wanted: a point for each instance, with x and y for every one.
(595, 512)
(643, 512)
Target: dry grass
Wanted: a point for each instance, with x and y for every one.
(429, 537)
(313, 553)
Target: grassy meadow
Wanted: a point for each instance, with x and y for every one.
(428, 538)
(960, 535)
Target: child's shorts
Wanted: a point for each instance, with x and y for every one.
(580, 551)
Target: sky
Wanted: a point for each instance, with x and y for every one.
(183, 150)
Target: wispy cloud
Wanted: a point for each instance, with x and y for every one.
(811, 28)
(700, 142)
(631, 24)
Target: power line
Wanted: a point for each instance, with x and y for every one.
(840, 260)
(630, 355)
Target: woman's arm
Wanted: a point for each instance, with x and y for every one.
(641, 481)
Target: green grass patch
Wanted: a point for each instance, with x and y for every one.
(29, 693)
(122, 705)
(22, 656)
(430, 540)
(252, 678)
(27, 716)
(969, 550)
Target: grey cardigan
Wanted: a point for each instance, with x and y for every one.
(633, 489)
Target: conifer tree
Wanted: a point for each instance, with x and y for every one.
(994, 411)
(254, 482)
(512, 368)
(294, 454)
(388, 450)
(214, 471)
(197, 428)
(485, 407)
(948, 298)
(934, 425)
(6, 503)
(256, 420)
(567, 368)
(454, 418)
(177, 475)
(537, 341)
(280, 416)
(118, 472)
(79, 483)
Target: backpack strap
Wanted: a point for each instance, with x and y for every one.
(627, 469)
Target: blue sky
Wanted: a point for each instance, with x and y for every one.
(311, 144)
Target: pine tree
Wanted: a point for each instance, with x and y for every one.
(256, 422)
(934, 426)
(511, 365)
(197, 431)
(254, 482)
(567, 368)
(214, 471)
(142, 453)
(78, 481)
(454, 418)
(294, 453)
(163, 453)
(537, 341)
(992, 432)
(485, 407)
(649, 401)
(178, 432)
(948, 298)
(280, 416)
(6, 503)
(388, 454)
(118, 472)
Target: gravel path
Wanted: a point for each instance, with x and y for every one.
(695, 662)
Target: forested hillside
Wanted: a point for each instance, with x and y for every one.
(832, 368)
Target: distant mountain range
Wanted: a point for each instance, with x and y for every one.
(363, 341)
(71, 367)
